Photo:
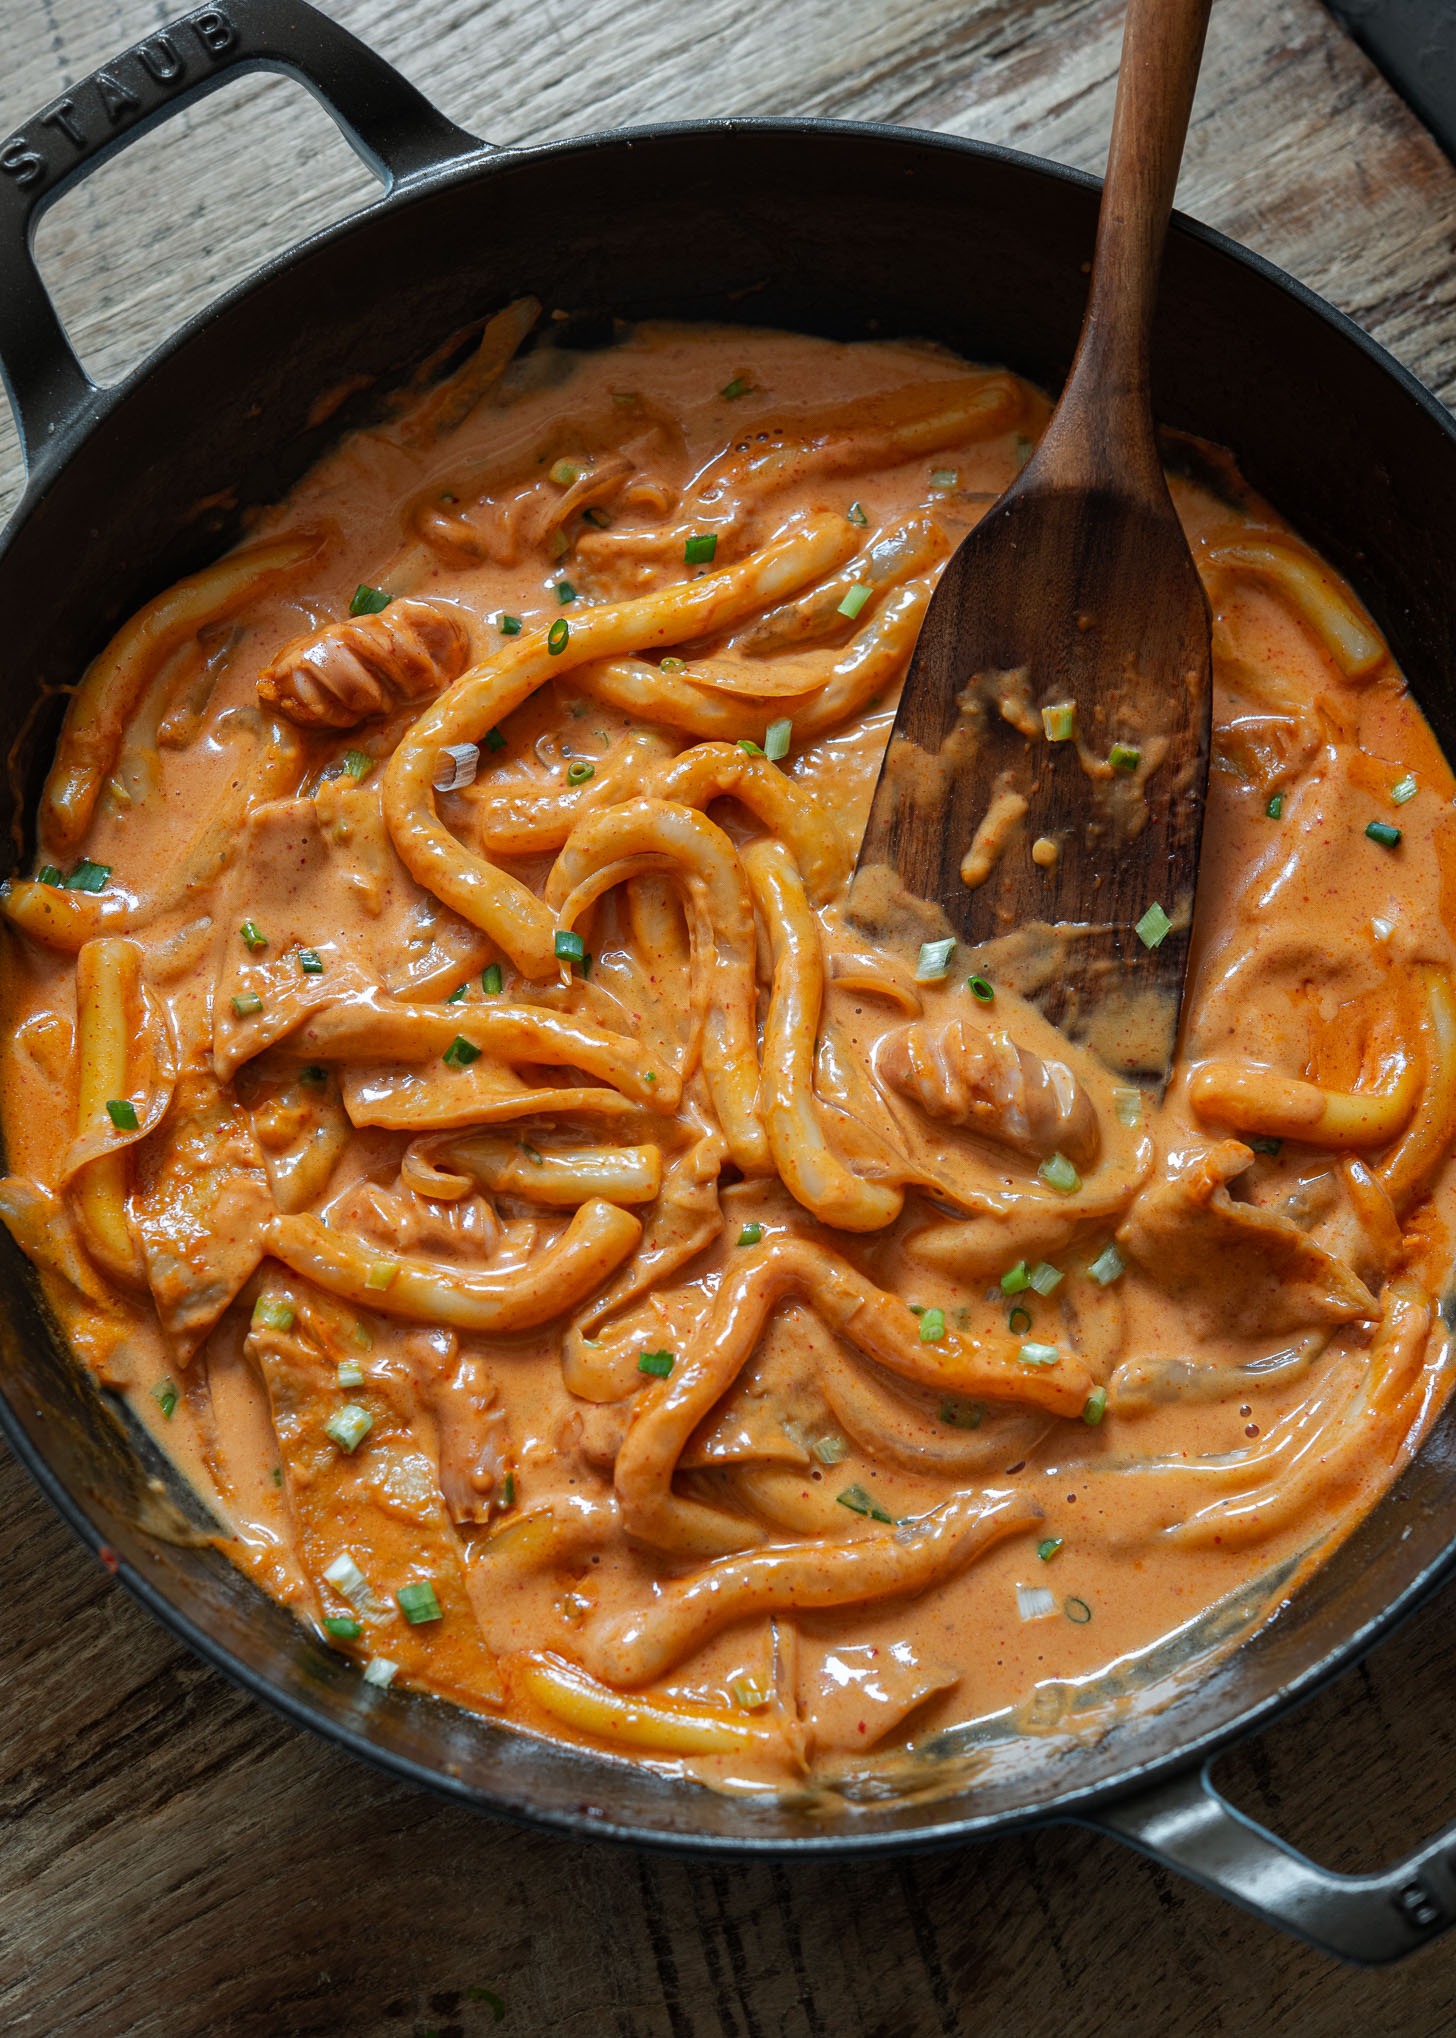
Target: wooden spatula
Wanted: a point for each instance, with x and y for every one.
(1064, 662)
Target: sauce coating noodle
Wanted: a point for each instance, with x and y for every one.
(587, 1279)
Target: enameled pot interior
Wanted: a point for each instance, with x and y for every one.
(849, 232)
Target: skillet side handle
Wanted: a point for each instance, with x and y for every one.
(396, 130)
(1365, 1919)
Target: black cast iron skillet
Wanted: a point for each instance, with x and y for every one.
(832, 229)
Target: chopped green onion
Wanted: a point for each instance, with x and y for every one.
(557, 635)
(368, 601)
(699, 551)
(312, 1076)
(776, 740)
(122, 1113)
(381, 1274)
(750, 1234)
(1404, 789)
(933, 966)
(672, 665)
(1059, 1174)
(1021, 447)
(558, 544)
(962, 1414)
(859, 1502)
(509, 626)
(739, 386)
(830, 1450)
(1275, 809)
(1384, 834)
(253, 936)
(347, 1374)
(1261, 1143)
(165, 1396)
(1059, 722)
(579, 772)
(1095, 1407)
(932, 1326)
(1123, 757)
(1129, 1106)
(491, 979)
(747, 1696)
(1016, 1278)
(460, 1053)
(1048, 1547)
(246, 1003)
(349, 1426)
(569, 945)
(1038, 1355)
(563, 473)
(565, 592)
(87, 876)
(418, 1603)
(856, 515)
(508, 1490)
(357, 765)
(531, 1153)
(1154, 927)
(944, 477)
(343, 1626)
(362, 1336)
(1108, 1264)
(981, 988)
(1019, 1321)
(379, 1670)
(1045, 1277)
(346, 1578)
(658, 1364)
(597, 518)
(457, 996)
(446, 495)
(493, 740)
(1077, 1610)
(269, 1313)
(650, 1076)
(310, 962)
(48, 875)
(855, 600)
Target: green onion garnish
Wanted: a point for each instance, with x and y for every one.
(48, 875)
(1154, 927)
(933, 966)
(932, 1326)
(1261, 1143)
(1021, 448)
(776, 740)
(310, 962)
(830, 1450)
(418, 1603)
(348, 1374)
(1019, 1321)
(1048, 1547)
(381, 1274)
(1129, 1106)
(1038, 1355)
(558, 544)
(944, 477)
(1275, 809)
(346, 1578)
(672, 665)
(1122, 757)
(122, 1113)
(1108, 1264)
(557, 635)
(1077, 1610)
(457, 996)
(1045, 1277)
(253, 936)
(1095, 1407)
(362, 1336)
(509, 626)
(1016, 1278)
(565, 592)
(962, 1414)
(490, 979)
(579, 772)
(269, 1313)
(493, 740)
(1404, 789)
(1059, 1174)
(739, 386)
(597, 517)
(343, 1626)
(312, 1076)
(750, 1234)
(166, 1397)
(699, 551)
(658, 1364)
(380, 1671)
(855, 600)
(1384, 834)
(1059, 722)
(856, 515)
(460, 1053)
(747, 1696)
(859, 1502)
(508, 1490)
(246, 1003)
(87, 876)
(981, 988)
(569, 945)
(750, 749)
(357, 765)
(368, 601)
(349, 1426)
(563, 473)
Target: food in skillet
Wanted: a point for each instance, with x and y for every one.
(589, 1279)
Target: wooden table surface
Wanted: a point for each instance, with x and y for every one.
(173, 1860)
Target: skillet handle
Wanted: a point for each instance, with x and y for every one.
(393, 127)
(1366, 1919)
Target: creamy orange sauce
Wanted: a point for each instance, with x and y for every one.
(749, 1352)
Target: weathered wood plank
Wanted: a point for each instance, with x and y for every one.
(177, 1862)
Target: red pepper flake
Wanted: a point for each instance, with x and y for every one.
(109, 1559)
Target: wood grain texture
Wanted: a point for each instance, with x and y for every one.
(175, 1862)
